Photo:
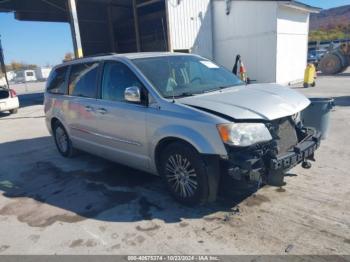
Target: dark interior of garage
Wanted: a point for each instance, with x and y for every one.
(105, 26)
(122, 26)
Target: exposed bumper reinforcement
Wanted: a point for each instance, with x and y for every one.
(304, 150)
(263, 164)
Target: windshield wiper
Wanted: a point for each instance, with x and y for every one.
(214, 89)
(184, 94)
(220, 88)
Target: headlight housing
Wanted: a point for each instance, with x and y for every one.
(296, 118)
(243, 134)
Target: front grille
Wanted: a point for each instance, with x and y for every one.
(284, 132)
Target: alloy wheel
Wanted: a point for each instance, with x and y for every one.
(181, 175)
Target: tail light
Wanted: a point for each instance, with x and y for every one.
(13, 93)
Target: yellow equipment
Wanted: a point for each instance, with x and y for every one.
(310, 76)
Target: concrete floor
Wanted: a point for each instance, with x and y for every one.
(86, 205)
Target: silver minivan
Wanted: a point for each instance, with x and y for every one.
(179, 116)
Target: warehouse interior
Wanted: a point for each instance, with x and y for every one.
(122, 26)
(104, 25)
(152, 27)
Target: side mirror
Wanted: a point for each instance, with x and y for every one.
(132, 94)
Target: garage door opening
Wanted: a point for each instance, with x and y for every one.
(142, 26)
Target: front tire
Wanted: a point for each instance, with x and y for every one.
(14, 111)
(185, 174)
(62, 141)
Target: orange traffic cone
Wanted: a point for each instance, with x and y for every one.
(242, 72)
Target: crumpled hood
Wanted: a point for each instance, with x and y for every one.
(257, 101)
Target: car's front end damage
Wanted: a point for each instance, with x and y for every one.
(268, 162)
(263, 134)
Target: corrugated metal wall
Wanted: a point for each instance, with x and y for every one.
(190, 26)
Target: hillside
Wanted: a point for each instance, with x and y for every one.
(331, 18)
(330, 24)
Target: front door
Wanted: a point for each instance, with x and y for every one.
(121, 125)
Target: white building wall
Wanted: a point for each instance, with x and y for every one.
(190, 26)
(2, 81)
(42, 72)
(292, 38)
(249, 30)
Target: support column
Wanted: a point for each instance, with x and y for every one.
(111, 28)
(74, 25)
(136, 23)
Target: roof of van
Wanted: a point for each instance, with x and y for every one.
(123, 55)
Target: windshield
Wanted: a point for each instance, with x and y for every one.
(185, 75)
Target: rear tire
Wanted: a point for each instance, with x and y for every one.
(184, 173)
(14, 111)
(62, 141)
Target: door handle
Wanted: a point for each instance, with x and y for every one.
(102, 111)
(88, 108)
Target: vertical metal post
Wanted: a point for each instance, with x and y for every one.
(74, 25)
(168, 25)
(136, 23)
(2, 64)
(111, 28)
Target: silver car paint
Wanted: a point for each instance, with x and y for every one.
(129, 133)
(258, 101)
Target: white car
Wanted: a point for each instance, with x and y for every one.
(8, 100)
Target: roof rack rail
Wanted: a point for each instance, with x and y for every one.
(95, 55)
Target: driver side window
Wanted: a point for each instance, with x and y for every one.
(116, 78)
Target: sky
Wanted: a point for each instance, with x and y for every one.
(39, 43)
(325, 4)
(45, 43)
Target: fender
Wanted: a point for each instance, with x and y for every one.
(189, 135)
(198, 141)
(53, 111)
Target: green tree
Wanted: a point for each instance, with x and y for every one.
(332, 32)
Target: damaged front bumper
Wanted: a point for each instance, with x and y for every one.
(302, 151)
(263, 164)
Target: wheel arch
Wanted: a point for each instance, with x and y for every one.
(205, 141)
(54, 120)
(163, 143)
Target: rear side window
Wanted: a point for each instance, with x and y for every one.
(56, 82)
(83, 80)
(29, 74)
